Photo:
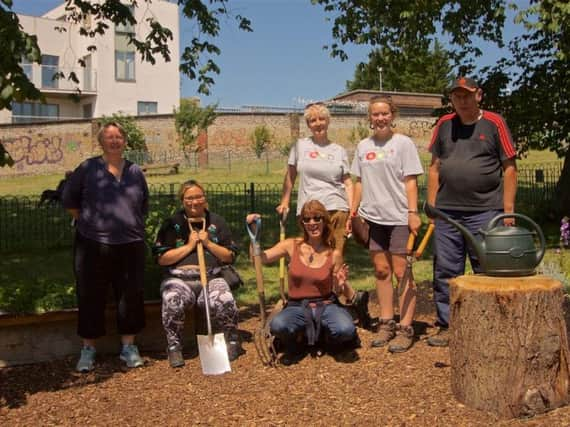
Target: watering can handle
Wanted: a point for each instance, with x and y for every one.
(534, 225)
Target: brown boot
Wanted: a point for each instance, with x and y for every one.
(386, 331)
(441, 339)
(403, 341)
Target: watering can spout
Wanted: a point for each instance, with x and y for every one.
(477, 245)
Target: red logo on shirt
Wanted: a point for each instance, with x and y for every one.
(313, 154)
(370, 155)
(482, 137)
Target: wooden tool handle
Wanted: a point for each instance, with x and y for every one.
(410, 244)
(425, 240)
(260, 288)
(200, 251)
(202, 264)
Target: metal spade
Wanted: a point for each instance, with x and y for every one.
(212, 347)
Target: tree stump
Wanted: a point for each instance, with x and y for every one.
(508, 344)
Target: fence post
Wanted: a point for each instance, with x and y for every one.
(266, 163)
(252, 197)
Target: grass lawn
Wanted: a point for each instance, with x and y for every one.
(35, 282)
(259, 171)
(30, 283)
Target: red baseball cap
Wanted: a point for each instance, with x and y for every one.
(466, 83)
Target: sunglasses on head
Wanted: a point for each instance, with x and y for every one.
(307, 219)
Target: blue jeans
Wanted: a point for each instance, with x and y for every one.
(449, 254)
(336, 324)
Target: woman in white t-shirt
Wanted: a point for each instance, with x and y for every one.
(386, 166)
(323, 170)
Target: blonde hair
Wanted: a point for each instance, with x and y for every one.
(317, 108)
(122, 131)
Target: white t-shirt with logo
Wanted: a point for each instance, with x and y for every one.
(382, 167)
(320, 169)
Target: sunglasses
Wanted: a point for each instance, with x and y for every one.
(316, 219)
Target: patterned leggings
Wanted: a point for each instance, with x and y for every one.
(179, 295)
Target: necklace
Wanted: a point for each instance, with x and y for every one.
(313, 252)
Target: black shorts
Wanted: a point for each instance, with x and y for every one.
(388, 238)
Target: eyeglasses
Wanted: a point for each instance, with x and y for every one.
(316, 219)
(191, 199)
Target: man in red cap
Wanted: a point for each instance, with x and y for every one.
(472, 178)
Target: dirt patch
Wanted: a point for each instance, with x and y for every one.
(410, 389)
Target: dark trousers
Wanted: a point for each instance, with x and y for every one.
(449, 255)
(98, 266)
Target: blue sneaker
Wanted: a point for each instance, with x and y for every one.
(130, 355)
(86, 360)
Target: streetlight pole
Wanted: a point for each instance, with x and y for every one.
(380, 74)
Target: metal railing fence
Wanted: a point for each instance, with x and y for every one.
(26, 225)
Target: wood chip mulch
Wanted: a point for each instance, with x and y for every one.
(378, 389)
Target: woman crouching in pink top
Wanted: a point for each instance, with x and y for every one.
(312, 316)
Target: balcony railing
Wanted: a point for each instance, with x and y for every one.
(51, 78)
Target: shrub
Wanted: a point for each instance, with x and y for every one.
(135, 136)
(260, 139)
(358, 133)
(191, 119)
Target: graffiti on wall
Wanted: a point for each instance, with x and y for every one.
(418, 128)
(26, 150)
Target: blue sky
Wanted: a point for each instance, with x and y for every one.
(281, 63)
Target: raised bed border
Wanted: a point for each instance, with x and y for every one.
(33, 338)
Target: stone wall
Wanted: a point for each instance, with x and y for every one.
(55, 147)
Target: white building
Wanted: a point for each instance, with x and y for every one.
(114, 77)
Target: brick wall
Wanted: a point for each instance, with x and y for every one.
(59, 146)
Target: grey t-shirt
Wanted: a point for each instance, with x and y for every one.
(382, 168)
(320, 169)
(110, 211)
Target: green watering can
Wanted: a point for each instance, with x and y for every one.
(503, 251)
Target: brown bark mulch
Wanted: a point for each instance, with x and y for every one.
(380, 389)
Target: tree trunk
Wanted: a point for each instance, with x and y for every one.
(562, 199)
(508, 346)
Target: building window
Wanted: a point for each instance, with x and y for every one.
(87, 111)
(50, 68)
(27, 112)
(124, 52)
(27, 66)
(144, 108)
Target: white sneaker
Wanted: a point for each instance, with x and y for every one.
(130, 355)
(86, 361)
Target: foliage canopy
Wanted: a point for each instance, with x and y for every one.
(529, 84)
(420, 69)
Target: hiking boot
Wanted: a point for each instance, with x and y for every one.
(175, 357)
(288, 359)
(441, 339)
(86, 360)
(360, 304)
(386, 331)
(403, 341)
(233, 344)
(130, 355)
